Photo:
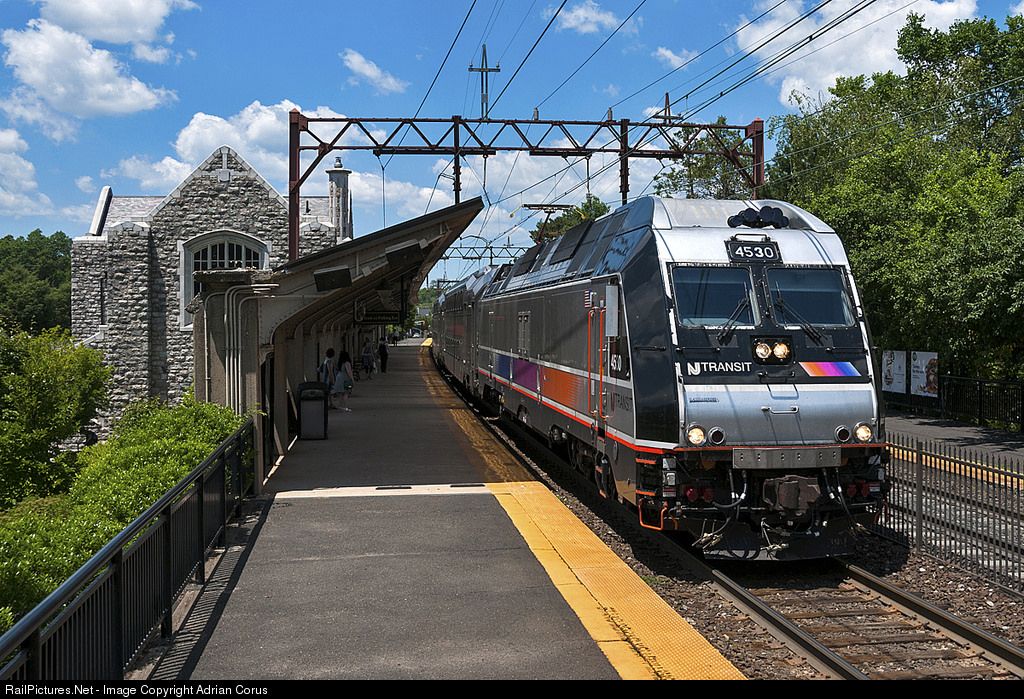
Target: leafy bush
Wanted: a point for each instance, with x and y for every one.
(49, 389)
(43, 541)
(6, 619)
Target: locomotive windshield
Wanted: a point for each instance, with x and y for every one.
(809, 296)
(714, 296)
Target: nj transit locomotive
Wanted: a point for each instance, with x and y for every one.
(709, 365)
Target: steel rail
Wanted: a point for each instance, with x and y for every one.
(1003, 652)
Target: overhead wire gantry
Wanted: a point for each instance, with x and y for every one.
(459, 137)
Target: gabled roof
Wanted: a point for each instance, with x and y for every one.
(113, 211)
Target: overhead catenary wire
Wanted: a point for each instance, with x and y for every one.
(832, 24)
(438, 73)
(699, 55)
(595, 52)
(529, 53)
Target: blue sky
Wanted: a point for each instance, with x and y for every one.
(135, 93)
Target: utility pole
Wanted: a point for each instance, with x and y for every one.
(485, 102)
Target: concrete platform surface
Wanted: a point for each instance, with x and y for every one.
(410, 545)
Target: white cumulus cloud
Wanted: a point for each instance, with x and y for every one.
(587, 17)
(366, 71)
(869, 47)
(19, 191)
(85, 184)
(672, 59)
(151, 54)
(113, 21)
(62, 71)
(1017, 9)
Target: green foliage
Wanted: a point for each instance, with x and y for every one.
(6, 619)
(35, 281)
(43, 541)
(49, 389)
(589, 209)
(921, 176)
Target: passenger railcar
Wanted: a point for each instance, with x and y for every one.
(707, 361)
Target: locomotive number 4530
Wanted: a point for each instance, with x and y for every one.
(745, 251)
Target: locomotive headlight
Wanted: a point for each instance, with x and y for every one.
(762, 350)
(695, 435)
(863, 432)
(781, 351)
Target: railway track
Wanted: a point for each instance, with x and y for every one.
(846, 623)
(866, 628)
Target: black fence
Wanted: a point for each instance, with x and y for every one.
(997, 404)
(95, 624)
(962, 505)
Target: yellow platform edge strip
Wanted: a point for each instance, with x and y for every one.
(639, 633)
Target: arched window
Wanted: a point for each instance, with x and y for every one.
(217, 250)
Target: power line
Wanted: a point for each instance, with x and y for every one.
(793, 48)
(697, 56)
(747, 54)
(581, 65)
(439, 69)
(530, 52)
(518, 29)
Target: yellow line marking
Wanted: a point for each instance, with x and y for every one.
(638, 632)
(969, 469)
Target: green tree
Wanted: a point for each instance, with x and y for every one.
(589, 209)
(35, 280)
(921, 175)
(49, 389)
(701, 176)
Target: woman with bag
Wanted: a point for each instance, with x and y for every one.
(343, 381)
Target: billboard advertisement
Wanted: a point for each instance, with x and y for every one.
(894, 371)
(924, 374)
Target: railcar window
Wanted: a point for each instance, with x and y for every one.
(815, 296)
(713, 295)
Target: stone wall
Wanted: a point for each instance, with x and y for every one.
(147, 338)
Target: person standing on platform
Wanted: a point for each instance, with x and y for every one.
(327, 373)
(382, 353)
(367, 357)
(344, 380)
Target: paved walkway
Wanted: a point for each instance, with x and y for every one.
(1002, 446)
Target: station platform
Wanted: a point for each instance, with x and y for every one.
(410, 545)
(1006, 448)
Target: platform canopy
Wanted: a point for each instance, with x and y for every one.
(260, 333)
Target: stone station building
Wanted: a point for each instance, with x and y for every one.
(133, 291)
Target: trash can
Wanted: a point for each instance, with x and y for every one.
(313, 397)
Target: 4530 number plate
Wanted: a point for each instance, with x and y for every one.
(747, 251)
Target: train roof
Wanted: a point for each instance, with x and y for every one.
(689, 230)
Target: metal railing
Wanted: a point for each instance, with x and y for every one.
(94, 625)
(963, 505)
(998, 404)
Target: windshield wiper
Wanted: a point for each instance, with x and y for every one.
(732, 321)
(804, 324)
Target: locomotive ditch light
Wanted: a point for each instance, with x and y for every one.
(695, 435)
(762, 350)
(863, 432)
(781, 351)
